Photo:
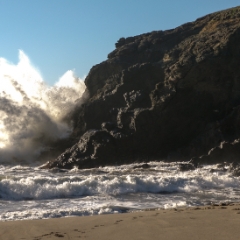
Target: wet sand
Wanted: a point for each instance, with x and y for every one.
(208, 222)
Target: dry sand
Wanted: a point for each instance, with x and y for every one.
(208, 222)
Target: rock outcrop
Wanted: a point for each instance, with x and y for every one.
(163, 95)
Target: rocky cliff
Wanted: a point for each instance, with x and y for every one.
(163, 95)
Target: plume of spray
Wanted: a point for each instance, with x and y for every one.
(31, 112)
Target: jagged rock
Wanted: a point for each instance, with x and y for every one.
(226, 151)
(234, 169)
(108, 126)
(144, 165)
(233, 166)
(172, 95)
(93, 145)
(236, 172)
(186, 166)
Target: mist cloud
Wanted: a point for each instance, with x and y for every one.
(32, 113)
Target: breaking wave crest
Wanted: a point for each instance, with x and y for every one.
(33, 193)
(31, 112)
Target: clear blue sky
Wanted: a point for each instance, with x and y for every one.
(61, 35)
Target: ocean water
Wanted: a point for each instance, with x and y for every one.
(32, 193)
(32, 116)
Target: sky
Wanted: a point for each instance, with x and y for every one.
(62, 35)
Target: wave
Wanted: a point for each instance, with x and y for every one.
(37, 184)
(32, 193)
(32, 114)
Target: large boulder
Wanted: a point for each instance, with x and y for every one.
(163, 95)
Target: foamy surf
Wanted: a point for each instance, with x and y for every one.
(32, 193)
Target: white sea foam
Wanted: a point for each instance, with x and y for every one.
(36, 186)
(31, 193)
(32, 113)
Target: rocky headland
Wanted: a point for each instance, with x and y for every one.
(164, 95)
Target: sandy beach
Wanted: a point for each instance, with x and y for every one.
(207, 222)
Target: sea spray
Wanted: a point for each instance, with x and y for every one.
(31, 112)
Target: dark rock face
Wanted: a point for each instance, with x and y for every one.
(186, 166)
(169, 95)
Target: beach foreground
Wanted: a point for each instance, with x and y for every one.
(207, 222)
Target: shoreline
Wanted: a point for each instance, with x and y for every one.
(217, 221)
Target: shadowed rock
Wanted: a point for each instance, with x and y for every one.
(163, 95)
